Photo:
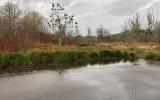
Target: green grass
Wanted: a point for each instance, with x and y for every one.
(36, 58)
(152, 55)
(4, 60)
(65, 56)
(19, 59)
(93, 56)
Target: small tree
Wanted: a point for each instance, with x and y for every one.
(134, 30)
(151, 20)
(102, 33)
(32, 24)
(135, 24)
(89, 34)
(125, 31)
(156, 31)
(61, 23)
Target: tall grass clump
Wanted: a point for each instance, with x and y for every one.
(19, 59)
(93, 56)
(82, 55)
(129, 55)
(152, 55)
(36, 57)
(126, 54)
(117, 54)
(41, 57)
(4, 60)
(105, 54)
(112, 54)
(66, 56)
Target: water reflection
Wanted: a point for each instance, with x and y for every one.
(84, 81)
(60, 68)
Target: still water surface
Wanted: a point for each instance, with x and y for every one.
(139, 80)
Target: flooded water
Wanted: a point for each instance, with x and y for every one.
(139, 80)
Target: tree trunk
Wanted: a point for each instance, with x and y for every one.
(60, 42)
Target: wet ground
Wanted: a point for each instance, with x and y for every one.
(120, 81)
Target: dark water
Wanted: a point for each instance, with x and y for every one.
(139, 80)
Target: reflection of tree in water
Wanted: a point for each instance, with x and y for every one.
(61, 72)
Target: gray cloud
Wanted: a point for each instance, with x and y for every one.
(92, 13)
(125, 7)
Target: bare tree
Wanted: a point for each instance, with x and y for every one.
(125, 27)
(3, 26)
(156, 30)
(135, 29)
(10, 13)
(60, 22)
(135, 24)
(151, 20)
(89, 34)
(32, 23)
(89, 31)
(125, 31)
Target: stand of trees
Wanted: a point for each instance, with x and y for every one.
(20, 30)
(134, 30)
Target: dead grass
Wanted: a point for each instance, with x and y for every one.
(140, 47)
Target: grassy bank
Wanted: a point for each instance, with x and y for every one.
(37, 58)
(152, 55)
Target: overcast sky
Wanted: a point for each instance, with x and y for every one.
(93, 13)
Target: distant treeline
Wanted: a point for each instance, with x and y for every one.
(135, 29)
